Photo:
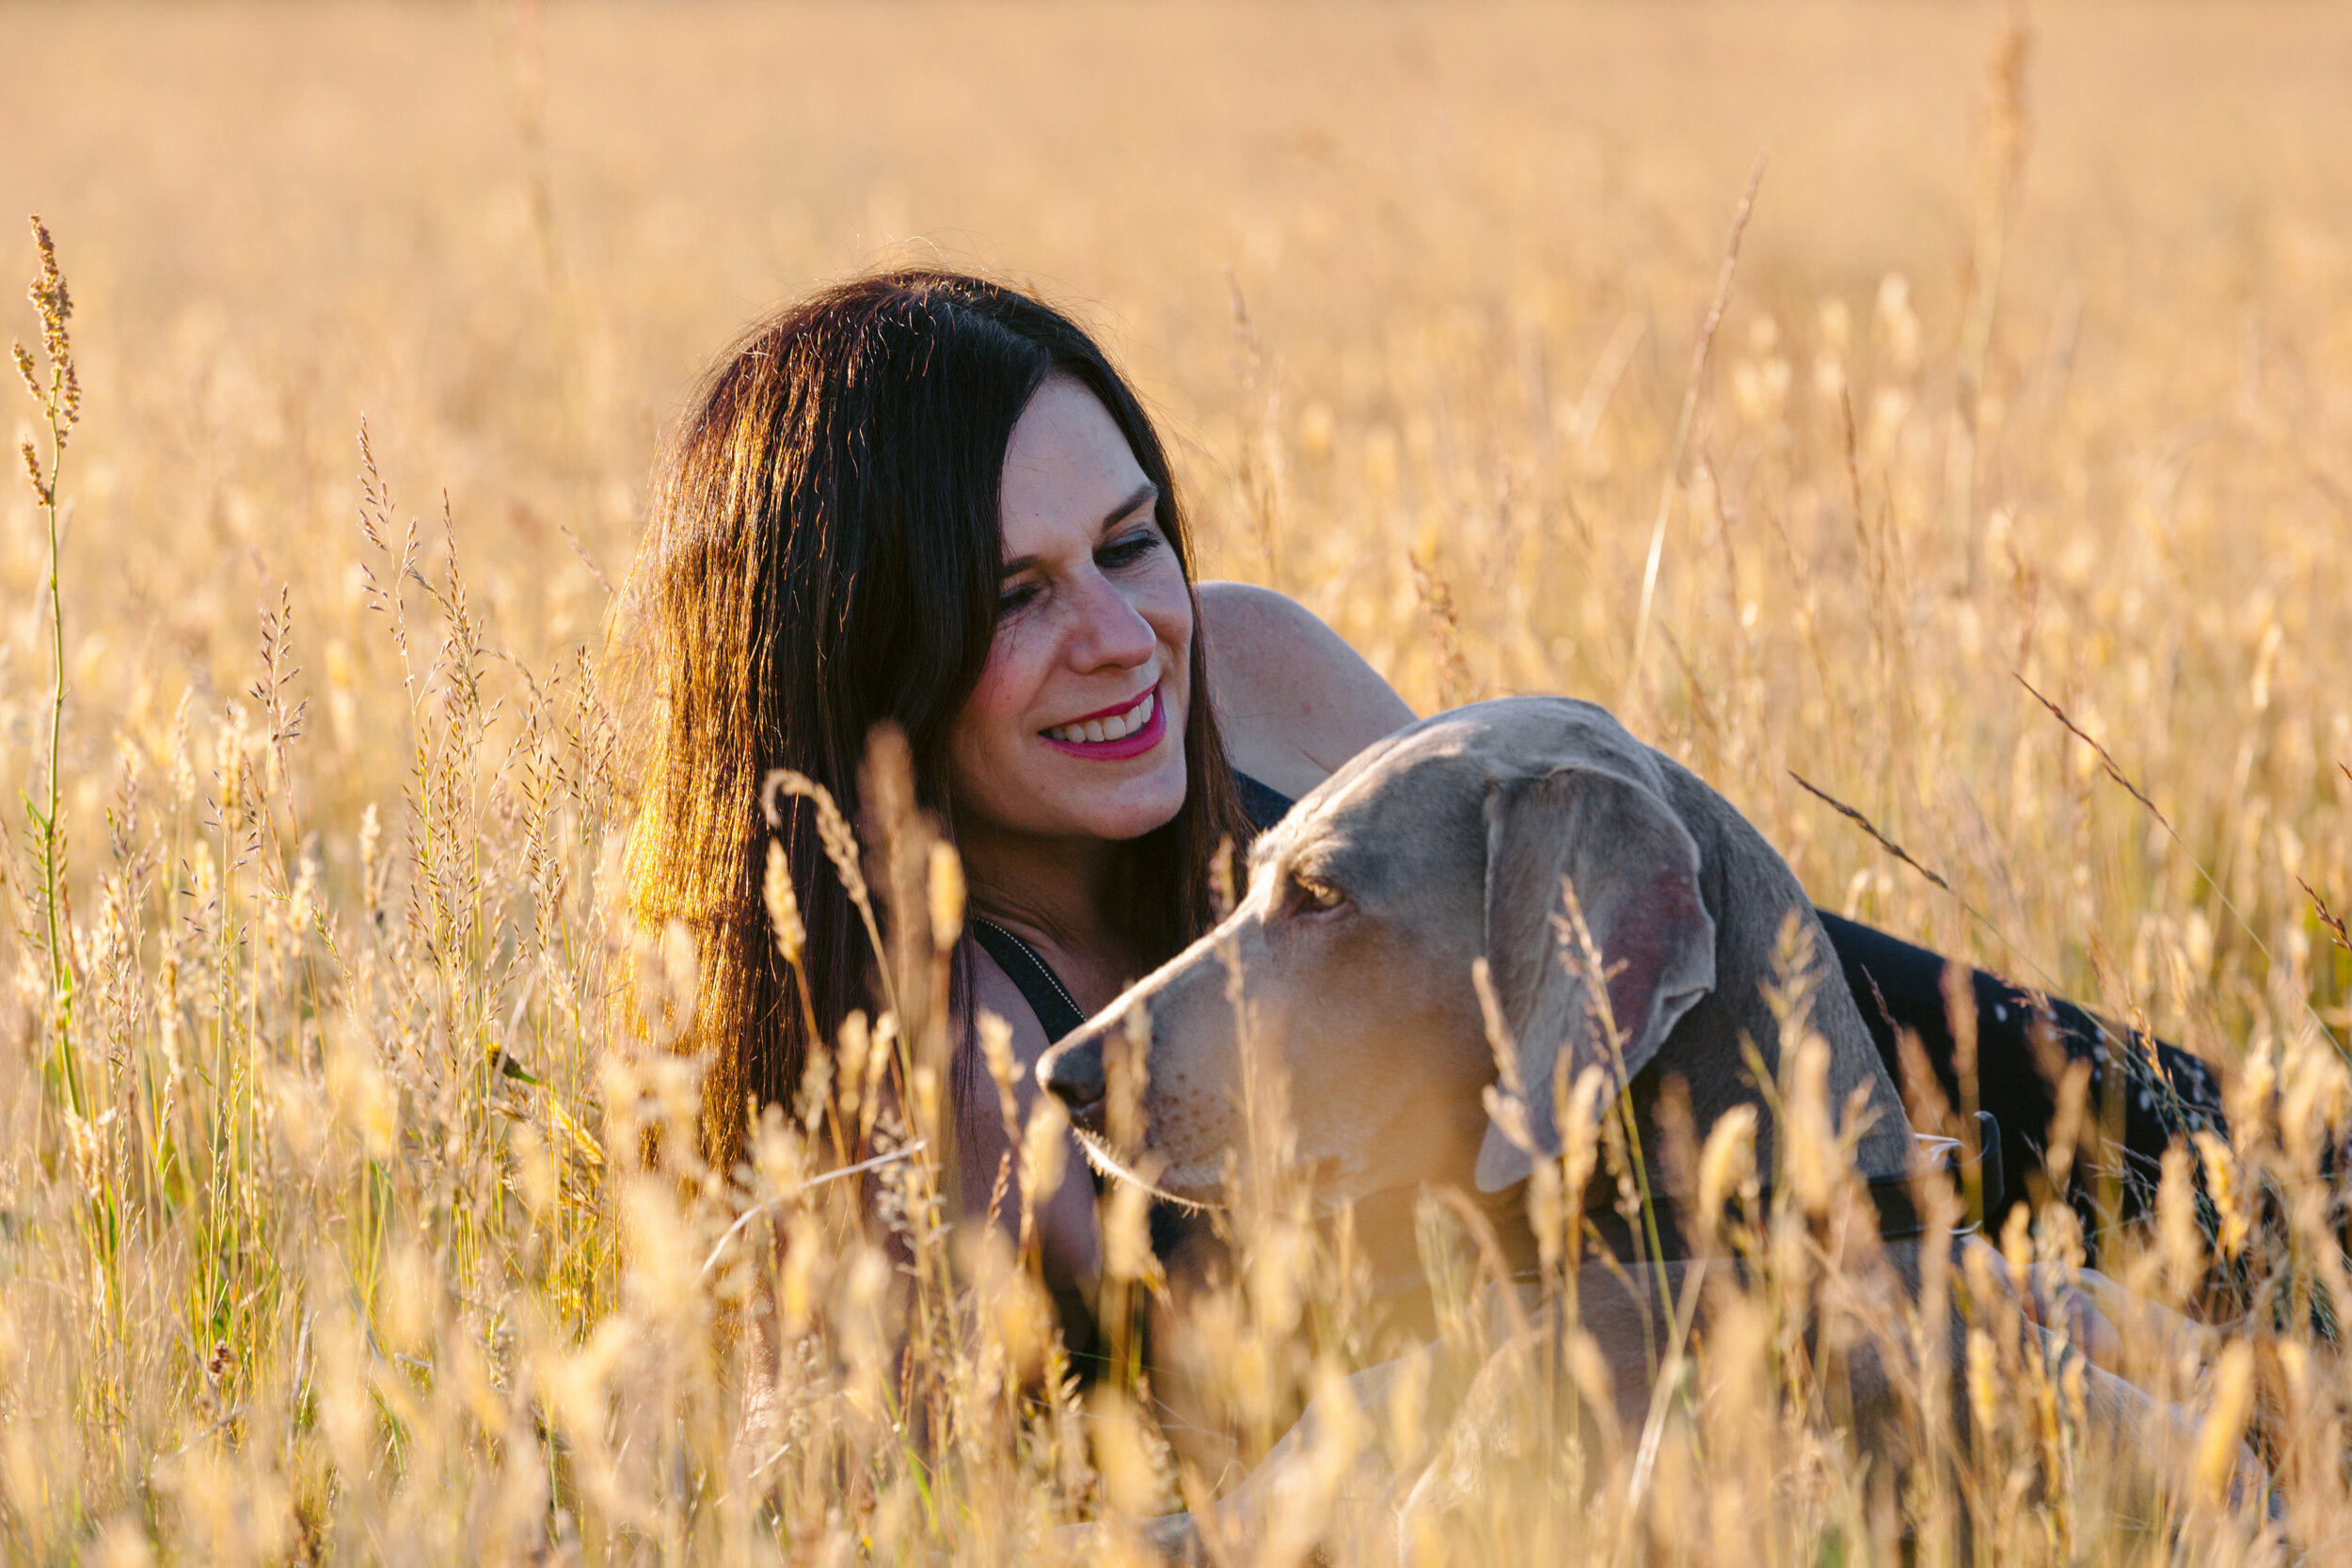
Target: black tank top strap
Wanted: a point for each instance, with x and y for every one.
(1038, 986)
(1264, 807)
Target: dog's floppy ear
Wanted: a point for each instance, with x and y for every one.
(1634, 867)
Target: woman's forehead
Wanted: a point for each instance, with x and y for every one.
(1069, 472)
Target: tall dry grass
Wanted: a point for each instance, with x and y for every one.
(329, 1222)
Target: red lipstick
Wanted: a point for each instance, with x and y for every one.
(1126, 746)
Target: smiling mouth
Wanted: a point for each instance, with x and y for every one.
(1104, 728)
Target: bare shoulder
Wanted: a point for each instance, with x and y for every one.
(1294, 699)
(993, 990)
(1065, 1215)
(980, 1119)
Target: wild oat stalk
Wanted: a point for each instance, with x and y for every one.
(59, 394)
(1683, 426)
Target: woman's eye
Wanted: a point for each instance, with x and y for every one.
(1015, 598)
(1128, 551)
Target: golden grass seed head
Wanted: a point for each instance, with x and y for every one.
(784, 907)
(780, 1157)
(878, 1057)
(1579, 1120)
(2179, 1237)
(535, 1176)
(804, 1278)
(406, 1306)
(2218, 1440)
(2225, 1183)
(41, 490)
(24, 1473)
(832, 831)
(1132, 1483)
(1276, 1273)
(1985, 1402)
(1044, 1152)
(1017, 1312)
(946, 889)
(1508, 1114)
(2251, 1096)
(86, 1142)
(122, 1543)
(61, 399)
(995, 1036)
(49, 294)
(1548, 1215)
(930, 1107)
(854, 1044)
(813, 1098)
(867, 1335)
(2313, 1109)
(1808, 1139)
(2074, 1393)
(1727, 1163)
(1899, 331)
(2017, 1242)
(1127, 1235)
(662, 1267)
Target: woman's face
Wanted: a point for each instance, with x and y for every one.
(1077, 727)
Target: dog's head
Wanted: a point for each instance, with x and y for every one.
(1366, 912)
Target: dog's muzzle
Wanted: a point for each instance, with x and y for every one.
(1072, 1074)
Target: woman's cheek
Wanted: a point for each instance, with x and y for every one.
(1167, 608)
(1007, 685)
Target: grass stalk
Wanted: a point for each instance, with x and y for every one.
(58, 392)
(1684, 423)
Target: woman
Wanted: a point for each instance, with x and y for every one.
(928, 499)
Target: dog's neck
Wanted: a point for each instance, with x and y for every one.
(1389, 1234)
(1751, 892)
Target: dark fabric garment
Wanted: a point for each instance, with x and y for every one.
(1038, 986)
(2165, 1091)
(1263, 807)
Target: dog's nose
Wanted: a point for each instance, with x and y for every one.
(1072, 1074)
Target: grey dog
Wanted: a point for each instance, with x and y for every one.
(1458, 842)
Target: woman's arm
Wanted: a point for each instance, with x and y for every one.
(1293, 699)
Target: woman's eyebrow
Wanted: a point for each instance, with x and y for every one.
(1144, 494)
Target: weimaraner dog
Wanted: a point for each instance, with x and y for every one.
(1367, 910)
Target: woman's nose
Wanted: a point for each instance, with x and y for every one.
(1110, 633)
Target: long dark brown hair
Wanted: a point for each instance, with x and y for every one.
(823, 555)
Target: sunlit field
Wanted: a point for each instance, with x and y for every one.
(342, 1216)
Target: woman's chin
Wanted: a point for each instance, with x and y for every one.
(1130, 808)
(1126, 819)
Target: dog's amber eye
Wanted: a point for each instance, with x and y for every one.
(1308, 896)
